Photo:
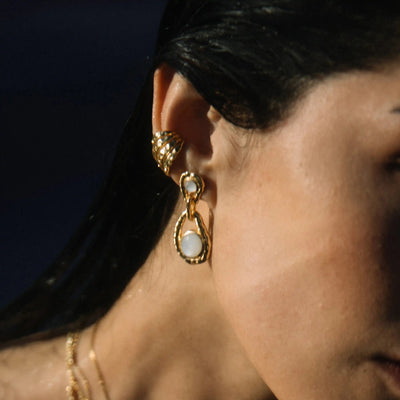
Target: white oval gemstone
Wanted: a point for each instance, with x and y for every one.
(191, 244)
(190, 186)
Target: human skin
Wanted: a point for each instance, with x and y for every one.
(306, 240)
(304, 261)
(166, 337)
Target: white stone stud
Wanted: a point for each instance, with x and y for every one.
(190, 186)
(191, 244)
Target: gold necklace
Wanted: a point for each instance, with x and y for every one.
(93, 357)
(78, 387)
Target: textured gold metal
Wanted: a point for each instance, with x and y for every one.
(166, 145)
(93, 358)
(191, 199)
(75, 390)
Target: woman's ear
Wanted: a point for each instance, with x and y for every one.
(178, 107)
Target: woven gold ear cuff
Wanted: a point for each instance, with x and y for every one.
(166, 145)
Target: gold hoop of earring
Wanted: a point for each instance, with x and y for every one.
(166, 145)
(194, 246)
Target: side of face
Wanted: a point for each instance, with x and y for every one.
(306, 240)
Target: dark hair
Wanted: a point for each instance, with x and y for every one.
(251, 60)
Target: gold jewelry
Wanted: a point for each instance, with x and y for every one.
(93, 357)
(166, 145)
(193, 246)
(74, 389)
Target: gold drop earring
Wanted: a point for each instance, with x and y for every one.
(194, 246)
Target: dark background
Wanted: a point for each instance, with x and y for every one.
(70, 72)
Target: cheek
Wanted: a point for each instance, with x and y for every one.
(300, 288)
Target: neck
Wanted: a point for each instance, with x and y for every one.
(166, 337)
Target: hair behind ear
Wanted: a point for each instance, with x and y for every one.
(119, 230)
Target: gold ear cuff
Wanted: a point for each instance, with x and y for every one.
(166, 145)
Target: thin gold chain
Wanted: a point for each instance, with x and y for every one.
(93, 357)
(75, 390)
